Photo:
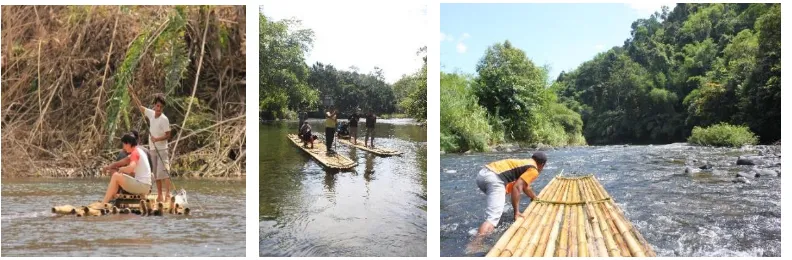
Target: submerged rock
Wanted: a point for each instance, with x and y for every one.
(691, 170)
(749, 175)
(765, 172)
(749, 160)
(706, 166)
(741, 180)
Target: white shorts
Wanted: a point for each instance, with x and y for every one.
(495, 189)
(134, 186)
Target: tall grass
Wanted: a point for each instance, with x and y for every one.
(723, 134)
(464, 124)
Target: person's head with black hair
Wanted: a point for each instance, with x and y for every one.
(540, 158)
(128, 142)
(159, 103)
(135, 134)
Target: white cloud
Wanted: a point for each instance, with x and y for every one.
(464, 36)
(461, 48)
(649, 7)
(449, 38)
(599, 47)
(442, 37)
(362, 34)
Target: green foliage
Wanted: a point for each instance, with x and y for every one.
(722, 134)
(283, 74)
(171, 43)
(119, 99)
(351, 90)
(463, 123)
(411, 91)
(698, 64)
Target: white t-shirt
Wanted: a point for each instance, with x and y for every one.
(143, 167)
(157, 127)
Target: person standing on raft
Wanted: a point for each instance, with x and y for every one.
(135, 177)
(331, 122)
(159, 133)
(509, 176)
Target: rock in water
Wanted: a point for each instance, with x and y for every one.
(706, 166)
(691, 170)
(741, 180)
(765, 172)
(749, 160)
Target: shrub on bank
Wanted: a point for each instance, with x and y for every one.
(722, 134)
(464, 124)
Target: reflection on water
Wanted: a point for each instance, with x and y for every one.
(216, 226)
(701, 214)
(376, 209)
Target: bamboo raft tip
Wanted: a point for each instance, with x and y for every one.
(572, 216)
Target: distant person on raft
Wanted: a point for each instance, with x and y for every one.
(135, 177)
(306, 135)
(353, 125)
(331, 122)
(159, 133)
(509, 176)
(371, 121)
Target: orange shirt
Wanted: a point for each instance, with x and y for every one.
(514, 167)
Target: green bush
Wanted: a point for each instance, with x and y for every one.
(464, 124)
(723, 134)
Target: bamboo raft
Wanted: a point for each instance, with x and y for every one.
(127, 204)
(334, 161)
(377, 151)
(572, 216)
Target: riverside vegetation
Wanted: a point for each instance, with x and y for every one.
(697, 65)
(287, 85)
(66, 73)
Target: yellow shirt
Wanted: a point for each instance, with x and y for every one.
(331, 121)
(507, 165)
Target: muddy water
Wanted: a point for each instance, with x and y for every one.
(216, 226)
(376, 209)
(703, 213)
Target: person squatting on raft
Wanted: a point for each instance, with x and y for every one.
(306, 135)
(159, 133)
(509, 176)
(135, 177)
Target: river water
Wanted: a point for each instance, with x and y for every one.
(680, 214)
(376, 209)
(215, 226)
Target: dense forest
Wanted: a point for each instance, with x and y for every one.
(696, 65)
(289, 85)
(69, 73)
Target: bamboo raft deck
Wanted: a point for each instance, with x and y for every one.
(335, 161)
(377, 151)
(572, 216)
(127, 204)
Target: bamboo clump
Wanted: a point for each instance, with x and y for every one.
(144, 207)
(572, 216)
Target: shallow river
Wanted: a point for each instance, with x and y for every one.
(215, 226)
(679, 213)
(376, 209)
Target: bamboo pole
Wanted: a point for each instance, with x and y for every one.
(64, 210)
(563, 241)
(546, 227)
(646, 246)
(535, 235)
(574, 223)
(551, 243)
(601, 249)
(512, 237)
(613, 248)
(540, 212)
(606, 217)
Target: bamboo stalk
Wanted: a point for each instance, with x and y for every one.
(647, 248)
(601, 249)
(64, 210)
(547, 226)
(606, 218)
(613, 248)
(195, 85)
(551, 248)
(574, 223)
(563, 241)
(535, 215)
(534, 241)
(512, 237)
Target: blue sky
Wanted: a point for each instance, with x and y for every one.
(560, 35)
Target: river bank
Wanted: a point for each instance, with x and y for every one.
(686, 200)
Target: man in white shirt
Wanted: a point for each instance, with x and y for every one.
(135, 177)
(159, 133)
